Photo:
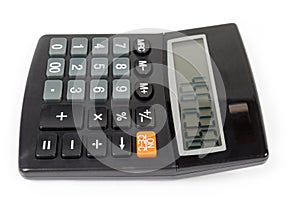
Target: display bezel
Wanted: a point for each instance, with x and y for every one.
(174, 98)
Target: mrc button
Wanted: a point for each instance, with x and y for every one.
(146, 144)
(141, 46)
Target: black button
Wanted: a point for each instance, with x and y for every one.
(143, 90)
(121, 145)
(121, 117)
(96, 145)
(46, 145)
(72, 146)
(145, 116)
(141, 46)
(98, 118)
(56, 117)
(143, 67)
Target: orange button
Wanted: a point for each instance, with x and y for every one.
(146, 144)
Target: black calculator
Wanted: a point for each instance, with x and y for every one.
(168, 104)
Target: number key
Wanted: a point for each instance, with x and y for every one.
(76, 90)
(77, 67)
(98, 90)
(55, 68)
(58, 47)
(121, 46)
(99, 67)
(121, 89)
(121, 67)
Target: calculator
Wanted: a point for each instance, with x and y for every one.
(155, 105)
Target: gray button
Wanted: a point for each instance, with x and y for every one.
(76, 90)
(121, 89)
(53, 90)
(99, 67)
(100, 46)
(77, 67)
(121, 67)
(121, 46)
(98, 90)
(55, 67)
(121, 117)
(96, 145)
(58, 47)
(79, 46)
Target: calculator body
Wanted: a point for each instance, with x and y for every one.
(58, 136)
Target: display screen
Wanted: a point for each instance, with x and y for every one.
(197, 111)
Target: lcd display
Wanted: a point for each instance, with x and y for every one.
(194, 98)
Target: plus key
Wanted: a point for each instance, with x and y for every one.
(61, 117)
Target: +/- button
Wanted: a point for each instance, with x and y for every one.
(146, 144)
(145, 116)
(141, 46)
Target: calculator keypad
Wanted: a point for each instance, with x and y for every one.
(76, 80)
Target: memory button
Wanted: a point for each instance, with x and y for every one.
(141, 46)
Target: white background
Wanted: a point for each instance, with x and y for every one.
(270, 30)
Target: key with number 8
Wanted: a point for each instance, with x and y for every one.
(121, 67)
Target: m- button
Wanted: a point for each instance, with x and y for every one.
(143, 67)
